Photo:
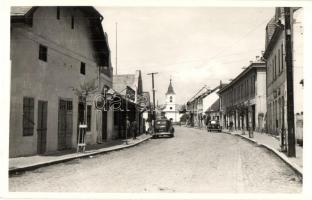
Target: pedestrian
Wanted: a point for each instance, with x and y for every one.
(128, 126)
(134, 129)
(231, 126)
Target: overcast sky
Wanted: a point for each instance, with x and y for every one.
(196, 46)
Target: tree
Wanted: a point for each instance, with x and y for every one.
(86, 88)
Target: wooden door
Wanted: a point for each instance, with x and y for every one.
(65, 124)
(42, 127)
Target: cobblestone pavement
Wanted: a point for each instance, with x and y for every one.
(192, 161)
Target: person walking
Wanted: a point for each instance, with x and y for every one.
(134, 129)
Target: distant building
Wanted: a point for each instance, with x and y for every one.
(196, 107)
(243, 100)
(276, 71)
(211, 104)
(53, 51)
(171, 109)
(134, 84)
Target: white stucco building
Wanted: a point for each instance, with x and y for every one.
(171, 109)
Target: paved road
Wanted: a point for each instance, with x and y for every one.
(192, 161)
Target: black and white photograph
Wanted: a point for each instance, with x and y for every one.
(156, 99)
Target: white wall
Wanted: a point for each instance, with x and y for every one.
(298, 59)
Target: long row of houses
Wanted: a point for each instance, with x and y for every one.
(257, 98)
(60, 65)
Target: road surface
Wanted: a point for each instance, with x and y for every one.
(192, 161)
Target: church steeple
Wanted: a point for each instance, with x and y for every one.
(170, 88)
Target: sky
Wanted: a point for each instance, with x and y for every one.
(196, 46)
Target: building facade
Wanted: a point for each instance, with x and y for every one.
(275, 55)
(243, 100)
(55, 50)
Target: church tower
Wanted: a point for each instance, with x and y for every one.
(170, 98)
(170, 109)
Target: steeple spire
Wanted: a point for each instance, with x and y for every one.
(170, 88)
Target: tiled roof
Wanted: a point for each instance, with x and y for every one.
(120, 82)
(214, 107)
(20, 10)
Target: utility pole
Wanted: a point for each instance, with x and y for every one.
(291, 150)
(153, 88)
(116, 49)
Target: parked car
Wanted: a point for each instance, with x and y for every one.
(214, 125)
(163, 127)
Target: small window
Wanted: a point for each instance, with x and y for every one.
(170, 108)
(28, 116)
(72, 22)
(43, 53)
(89, 113)
(58, 12)
(83, 68)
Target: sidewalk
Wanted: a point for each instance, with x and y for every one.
(273, 144)
(32, 162)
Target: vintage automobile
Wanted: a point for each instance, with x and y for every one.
(163, 127)
(214, 125)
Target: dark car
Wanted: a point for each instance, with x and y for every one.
(163, 127)
(214, 125)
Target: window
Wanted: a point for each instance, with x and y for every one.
(170, 108)
(72, 22)
(275, 67)
(279, 61)
(83, 68)
(89, 112)
(28, 116)
(272, 69)
(58, 11)
(170, 98)
(282, 58)
(43, 53)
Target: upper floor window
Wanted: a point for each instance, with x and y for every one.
(72, 22)
(43, 53)
(83, 68)
(58, 12)
(170, 98)
(279, 61)
(170, 108)
(282, 58)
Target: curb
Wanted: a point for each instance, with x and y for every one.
(284, 158)
(76, 156)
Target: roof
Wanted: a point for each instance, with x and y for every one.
(214, 107)
(28, 10)
(277, 32)
(254, 65)
(170, 89)
(120, 82)
(269, 31)
(20, 10)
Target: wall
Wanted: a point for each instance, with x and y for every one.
(260, 99)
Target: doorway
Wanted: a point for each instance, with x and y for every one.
(104, 125)
(65, 124)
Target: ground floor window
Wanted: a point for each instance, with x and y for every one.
(89, 113)
(28, 116)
